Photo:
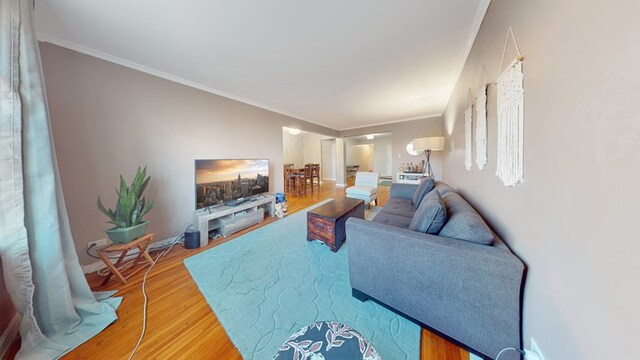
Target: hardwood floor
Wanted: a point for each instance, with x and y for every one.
(180, 324)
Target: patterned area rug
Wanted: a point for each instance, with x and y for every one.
(269, 283)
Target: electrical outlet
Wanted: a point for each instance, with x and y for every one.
(101, 242)
(534, 353)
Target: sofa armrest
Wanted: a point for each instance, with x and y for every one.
(402, 191)
(456, 287)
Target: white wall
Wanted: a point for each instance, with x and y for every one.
(328, 166)
(402, 134)
(107, 119)
(340, 163)
(301, 149)
(380, 155)
(311, 147)
(358, 153)
(574, 219)
(292, 149)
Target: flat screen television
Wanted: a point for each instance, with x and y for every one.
(222, 180)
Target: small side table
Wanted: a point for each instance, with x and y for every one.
(141, 243)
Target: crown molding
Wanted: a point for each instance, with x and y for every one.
(475, 29)
(427, 116)
(45, 38)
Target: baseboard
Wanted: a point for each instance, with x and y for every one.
(329, 179)
(341, 185)
(99, 265)
(9, 335)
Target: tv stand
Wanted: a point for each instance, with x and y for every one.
(229, 219)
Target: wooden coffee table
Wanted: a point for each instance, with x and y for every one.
(326, 222)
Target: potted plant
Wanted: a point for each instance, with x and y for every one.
(130, 209)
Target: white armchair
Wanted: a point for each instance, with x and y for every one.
(366, 187)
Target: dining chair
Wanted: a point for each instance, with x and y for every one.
(305, 178)
(315, 174)
(289, 176)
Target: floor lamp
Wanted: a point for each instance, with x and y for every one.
(427, 145)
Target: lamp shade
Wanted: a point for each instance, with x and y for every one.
(434, 143)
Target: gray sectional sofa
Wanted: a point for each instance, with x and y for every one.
(466, 285)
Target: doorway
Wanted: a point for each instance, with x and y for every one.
(369, 152)
(303, 147)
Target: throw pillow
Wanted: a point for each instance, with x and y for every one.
(426, 185)
(431, 214)
(464, 222)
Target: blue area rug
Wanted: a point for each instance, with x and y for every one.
(267, 284)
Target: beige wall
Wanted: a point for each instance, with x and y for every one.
(108, 119)
(573, 221)
(402, 134)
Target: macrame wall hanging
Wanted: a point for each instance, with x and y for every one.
(510, 164)
(468, 120)
(481, 127)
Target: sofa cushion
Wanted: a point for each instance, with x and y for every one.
(362, 190)
(402, 207)
(464, 222)
(443, 188)
(402, 191)
(393, 220)
(431, 214)
(426, 185)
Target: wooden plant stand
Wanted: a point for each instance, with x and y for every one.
(141, 243)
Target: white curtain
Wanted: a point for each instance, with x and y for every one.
(40, 264)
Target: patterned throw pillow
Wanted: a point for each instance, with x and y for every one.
(426, 185)
(327, 340)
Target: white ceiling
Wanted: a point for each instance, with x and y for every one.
(342, 64)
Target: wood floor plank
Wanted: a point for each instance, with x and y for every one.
(181, 324)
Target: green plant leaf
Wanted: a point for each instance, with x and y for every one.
(106, 211)
(123, 186)
(142, 187)
(131, 206)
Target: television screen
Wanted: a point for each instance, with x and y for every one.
(219, 181)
